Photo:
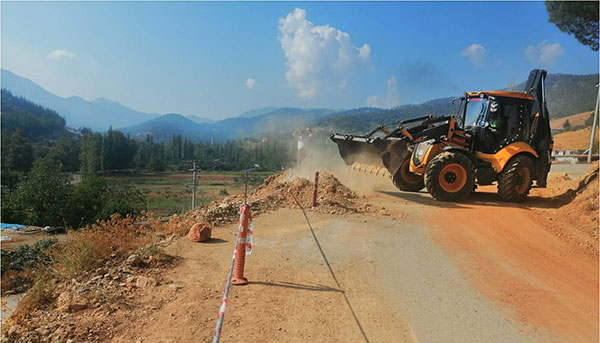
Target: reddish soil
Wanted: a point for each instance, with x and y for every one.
(541, 262)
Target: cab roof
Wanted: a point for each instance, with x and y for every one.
(518, 95)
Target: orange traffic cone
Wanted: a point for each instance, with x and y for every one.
(240, 252)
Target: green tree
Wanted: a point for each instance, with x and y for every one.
(87, 200)
(17, 153)
(567, 125)
(17, 157)
(43, 198)
(91, 152)
(578, 18)
(123, 199)
(66, 152)
(590, 120)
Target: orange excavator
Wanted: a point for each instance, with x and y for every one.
(495, 137)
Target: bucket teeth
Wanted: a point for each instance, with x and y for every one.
(370, 170)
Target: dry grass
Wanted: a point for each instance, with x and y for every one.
(574, 120)
(89, 248)
(86, 250)
(579, 139)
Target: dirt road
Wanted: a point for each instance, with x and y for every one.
(479, 271)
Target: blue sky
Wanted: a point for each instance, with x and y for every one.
(219, 59)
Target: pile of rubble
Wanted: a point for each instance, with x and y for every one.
(279, 191)
(575, 201)
(83, 303)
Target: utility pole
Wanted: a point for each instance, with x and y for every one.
(594, 125)
(193, 184)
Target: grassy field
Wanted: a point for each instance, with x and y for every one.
(169, 193)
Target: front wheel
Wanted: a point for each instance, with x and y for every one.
(514, 182)
(404, 180)
(450, 176)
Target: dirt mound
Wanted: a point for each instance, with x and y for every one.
(572, 201)
(582, 199)
(279, 191)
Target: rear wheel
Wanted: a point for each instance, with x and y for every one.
(515, 181)
(404, 180)
(450, 176)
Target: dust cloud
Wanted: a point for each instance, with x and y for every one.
(319, 153)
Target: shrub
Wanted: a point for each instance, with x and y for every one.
(42, 199)
(223, 192)
(26, 256)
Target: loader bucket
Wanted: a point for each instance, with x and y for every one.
(372, 154)
(359, 149)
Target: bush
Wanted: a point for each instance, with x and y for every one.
(590, 120)
(42, 199)
(96, 199)
(86, 249)
(223, 192)
(122, 199)
(26, 256)
(46, 198)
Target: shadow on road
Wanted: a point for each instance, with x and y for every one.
(319, 288)
(215, 241)
(487, 199)
(483, 198)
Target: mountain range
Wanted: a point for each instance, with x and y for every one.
(279, 120)
(566, 94)
(98, 114)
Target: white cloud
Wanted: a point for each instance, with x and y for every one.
(251, 83)
(544, 53)
(318, 57)
(364, 51)
(58, 54)
(476, 53)
(392, 98)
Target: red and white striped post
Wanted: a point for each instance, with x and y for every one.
(236, 269)
(314, 203)
(240, 253)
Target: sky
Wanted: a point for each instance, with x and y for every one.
(218, 59)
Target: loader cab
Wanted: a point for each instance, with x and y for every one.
(495, 119)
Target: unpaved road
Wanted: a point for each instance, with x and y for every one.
(479, 271)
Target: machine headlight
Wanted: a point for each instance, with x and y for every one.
(419, 152)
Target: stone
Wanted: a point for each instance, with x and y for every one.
(135, 260)
(101, 271)
(69, 302)
(175, 287)
(143, 281)
(200, 232)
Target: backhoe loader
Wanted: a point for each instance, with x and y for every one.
(495, 137)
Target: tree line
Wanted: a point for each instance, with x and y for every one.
(37, 180)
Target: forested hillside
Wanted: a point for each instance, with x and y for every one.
(361, 121)
(34, 120)
(570, 94)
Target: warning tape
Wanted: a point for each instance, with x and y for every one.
(219, 326)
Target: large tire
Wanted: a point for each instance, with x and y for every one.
(406, 181)
(450, 176)
(514, 182)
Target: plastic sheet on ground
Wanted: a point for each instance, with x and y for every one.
(10, 226)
